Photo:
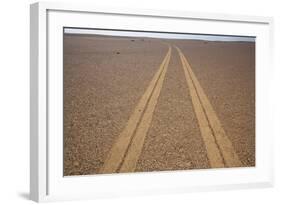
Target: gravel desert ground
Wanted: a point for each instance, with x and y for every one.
(106, 79)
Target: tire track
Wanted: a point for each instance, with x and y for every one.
(124, 154)
(219, 148)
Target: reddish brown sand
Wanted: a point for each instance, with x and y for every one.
(105, 77)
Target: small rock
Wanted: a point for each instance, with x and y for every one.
(76, 163)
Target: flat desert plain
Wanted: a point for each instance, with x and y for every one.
(143, 104)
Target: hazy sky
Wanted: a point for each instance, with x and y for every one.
(160, 35)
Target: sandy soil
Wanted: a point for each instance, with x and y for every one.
(104, 79)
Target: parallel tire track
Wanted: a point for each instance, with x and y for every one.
(219, 148)
(125, 152)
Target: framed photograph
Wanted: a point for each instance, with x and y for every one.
(128, 101)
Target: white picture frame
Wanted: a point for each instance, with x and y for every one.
(46, 178)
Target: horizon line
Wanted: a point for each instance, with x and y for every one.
(159, 35)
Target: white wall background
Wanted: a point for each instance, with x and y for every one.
(14, 102)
